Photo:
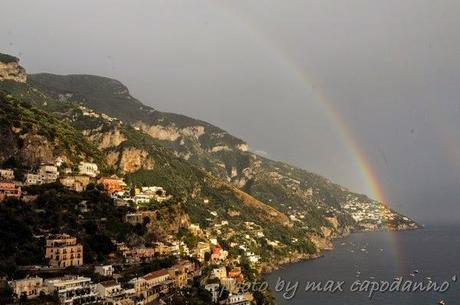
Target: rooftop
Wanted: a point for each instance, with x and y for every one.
(155, 274)
(110, 283)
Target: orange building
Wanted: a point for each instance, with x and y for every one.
(9, 190)
(112, 184)
(63, 251)
(236, 274)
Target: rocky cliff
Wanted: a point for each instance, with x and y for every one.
(11, 70)
(30, 137)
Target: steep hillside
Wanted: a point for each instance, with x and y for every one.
(78, 133)
(308, 199)
(30, 136)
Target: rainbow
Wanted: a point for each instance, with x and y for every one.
(359, 156)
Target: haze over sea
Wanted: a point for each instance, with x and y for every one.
(421, 255)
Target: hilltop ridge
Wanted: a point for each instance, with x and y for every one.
(303, 196)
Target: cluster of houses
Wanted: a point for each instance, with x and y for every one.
(77, 180)
(81, 290)
(368, 214)
(145, 254)
(45, 174)
(231, 280)
(146, 289)
(139, 196)
(63, 251)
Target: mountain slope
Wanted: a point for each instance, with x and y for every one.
(313, 202)
(79, 133)
(30, 136)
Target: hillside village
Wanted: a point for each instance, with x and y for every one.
(206, 265)
(101, 210)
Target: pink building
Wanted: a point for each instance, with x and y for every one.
(9, 190)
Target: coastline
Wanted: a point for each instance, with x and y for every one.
(296, 258)
(421, 256)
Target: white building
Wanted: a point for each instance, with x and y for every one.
(141, 199)
(156, 193)
(48, 173)
(105, 270)
(109, 289)
(88, 169)
(32, 179)
(58, 161)
(214, 290)
(240, 299)
(220, 272)
(73, 290)
(7, 174)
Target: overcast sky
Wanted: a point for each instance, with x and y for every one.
(262, 69)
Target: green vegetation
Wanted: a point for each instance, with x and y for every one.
(7, 58)
(274, 215)
(21, 124)
(271, 182)
(189, 185)
(90, 215)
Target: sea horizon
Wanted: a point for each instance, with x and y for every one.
(370, 256)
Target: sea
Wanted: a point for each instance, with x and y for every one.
(363, 266)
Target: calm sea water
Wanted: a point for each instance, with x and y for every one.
(432, 253)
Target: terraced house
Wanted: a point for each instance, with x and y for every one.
(29, 287)
(63, 251)
(152, 285)
(112, 184)
(73, 290)
(9, 190)
(88, 169)
(49, 173)
(7, 174)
